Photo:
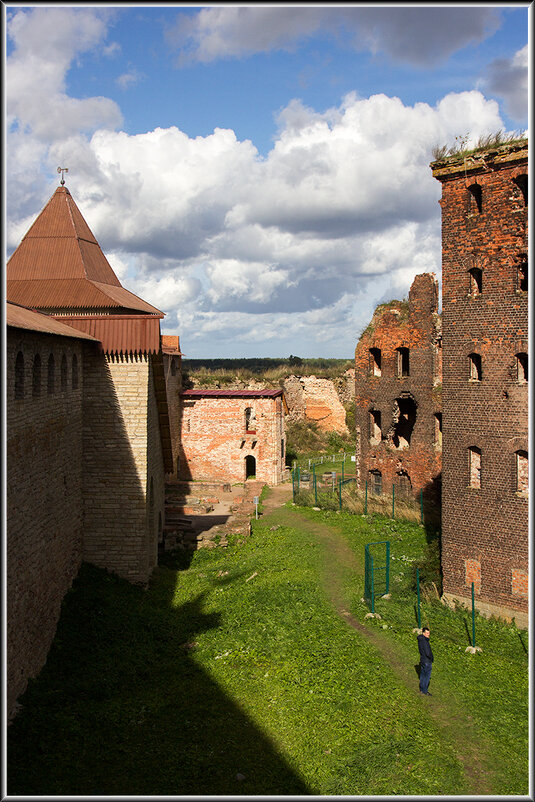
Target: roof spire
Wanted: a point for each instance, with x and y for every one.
(63, 170)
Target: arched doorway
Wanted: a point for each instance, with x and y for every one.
(250, 467)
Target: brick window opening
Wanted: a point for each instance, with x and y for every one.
(63, 373)
(375, 361)
(36, 376)
(250, 467)
(403, 485)
(474, 367)
(523, 274)
(521, 367)
(403, 361)
(472, 573)
(250, 421)
(522, 471)
(376, 482)
(522, 183)
(19, 376)
(282, 449)
(476, 281)
(51, 376)
(474, 459)
(74, 372)
(403, 420)
(519, 583)
(375, 426)
(477, 194)
(173, 367)
(438, 429)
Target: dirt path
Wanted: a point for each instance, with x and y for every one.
(339, 562)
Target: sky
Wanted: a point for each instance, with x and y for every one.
(258, 173)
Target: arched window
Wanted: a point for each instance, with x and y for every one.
(63, 373)
(521, 472)
(74, 372)
(403, 484)
(375, 361)
(51, 375)
(474, 367)
(36, 376)
(476, 281)
(521, 367)
(477, 194)
(376, 482)
(474, 464)
(250, 467)
(19, 376)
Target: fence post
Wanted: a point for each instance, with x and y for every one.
(473, 618)
(393, 495)
(315, 491)
(298, 479)
(343, 466)
(421, 506)
(418, 597)
(366, 499)
(293, 486)
(340, 492)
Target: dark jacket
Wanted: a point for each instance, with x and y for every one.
(426, 654)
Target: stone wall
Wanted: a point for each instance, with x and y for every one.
(398, 395)
(173, 383)
(119, 460)
(485, 327)
(318, 400)
(44, 494)
(216, 443)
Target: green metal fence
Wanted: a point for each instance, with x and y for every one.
(376, 571)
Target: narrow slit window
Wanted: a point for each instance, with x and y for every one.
(474, 367)
(477, 194)
(476, 281)
(522, 472)
(523, 274)
(36, 376)
(250, 420)
(438, 429)
(51, 378)
(19, 376)
(403, 362)
(63, 373)
(74, 372)
(375, 426)
(375, 361)
(474, 455)
(522, 368)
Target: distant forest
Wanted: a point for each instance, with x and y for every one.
(260, 366)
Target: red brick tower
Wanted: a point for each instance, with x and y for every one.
(485, 377)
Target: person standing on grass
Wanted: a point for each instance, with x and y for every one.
(426, 660)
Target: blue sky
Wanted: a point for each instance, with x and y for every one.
(261, 174)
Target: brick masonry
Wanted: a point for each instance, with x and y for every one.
(317, 400)
(217, 445)
(398, 394)
(485, 312)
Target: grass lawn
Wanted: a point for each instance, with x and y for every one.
(233, 673)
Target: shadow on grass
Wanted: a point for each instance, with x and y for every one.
(122, 708)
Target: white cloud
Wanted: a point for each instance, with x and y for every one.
(508, 79)
(420, 35)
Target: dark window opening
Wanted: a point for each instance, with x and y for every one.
(63, 373)
(522, 183)
(375, 361)
(375, 426)
(474, 367)
(19, 376)
(523, 274)
(282, 449)
(403, 420)
(403, 361)
(36, 376)
(522, 367)
(74, 372)
(476, 281)
(250, 467)
(51, 375)
(173, 367)
(475, 466)
(376, 483)
(403, 485)
(477, 194)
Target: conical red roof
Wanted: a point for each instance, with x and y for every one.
(59, 264)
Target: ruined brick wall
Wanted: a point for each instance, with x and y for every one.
(216, 444)
(173, 384)
(44, 496)
(317, 400)
(121, 456)
(485, 398)
(398, 395)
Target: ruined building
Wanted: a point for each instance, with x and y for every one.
(88, 432)
(233, 435)
(398, 411)
(485, 389)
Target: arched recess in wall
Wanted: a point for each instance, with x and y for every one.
(63, 373)
(19, 376)
(51, 376)
(250, 467)
(403, 484)
(36, 376)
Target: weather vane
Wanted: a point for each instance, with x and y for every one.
(63, 170)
